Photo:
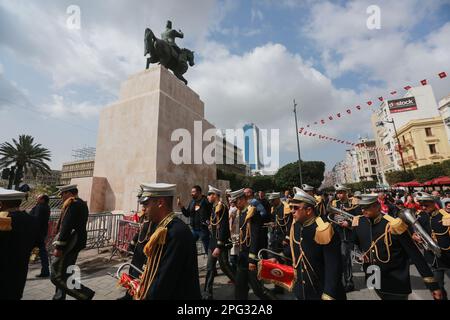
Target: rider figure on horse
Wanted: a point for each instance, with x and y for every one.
(169, 36)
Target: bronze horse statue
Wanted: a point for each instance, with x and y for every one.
(160, 51)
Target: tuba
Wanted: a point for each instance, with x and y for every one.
(337, 216)
(427, 243)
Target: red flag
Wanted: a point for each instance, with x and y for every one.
(423, 82)
(407, 88)
(442, 75)
(349, 111)
(380, 98)
(310, 134)
(330, 117)
(342, 142)
(301, 130)
(369, 103)
(306, 132)
(394, 92)
(322, 121)
(358, 107)
(339, 115)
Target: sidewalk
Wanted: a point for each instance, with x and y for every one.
(95, 268)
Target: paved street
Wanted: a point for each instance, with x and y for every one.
(96, 266)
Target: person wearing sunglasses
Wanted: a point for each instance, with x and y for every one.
(315, 252)
(436, 222)
(388, 248)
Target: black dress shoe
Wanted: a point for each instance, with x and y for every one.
(43, 275)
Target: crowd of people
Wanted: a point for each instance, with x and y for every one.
(318, 236)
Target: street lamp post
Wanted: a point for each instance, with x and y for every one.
(298, 144)
(381, 123)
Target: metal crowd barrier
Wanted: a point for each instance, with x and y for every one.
(101, 230)
(126, 230)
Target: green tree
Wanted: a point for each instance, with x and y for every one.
(25, 155)
(428, 172)
(399, 176)
(288, 176)
(446, 167)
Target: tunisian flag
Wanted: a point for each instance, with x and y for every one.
(279, 274)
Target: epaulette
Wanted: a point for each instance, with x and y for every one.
(4, 214)
(355, 221)
(445, 218)
(334, 203)
(250, 212)
(286, 209)
(68, 202)
(219, 207)
(398, 226)
(5, 223)
(324, 232)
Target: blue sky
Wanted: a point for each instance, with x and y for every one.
(253, 58)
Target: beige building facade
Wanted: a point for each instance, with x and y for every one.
(424, 142)
(76, 169)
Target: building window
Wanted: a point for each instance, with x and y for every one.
(366, 170)
(373, 162)
(365, 161)
(374, 170)
(428, 132)
(432, 148)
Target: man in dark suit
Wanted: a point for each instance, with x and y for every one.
(41, 212)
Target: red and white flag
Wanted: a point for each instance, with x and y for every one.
(442, 75)
(423, 82)
(407, 88)
(369, 103)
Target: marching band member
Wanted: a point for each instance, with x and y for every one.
(18, 232)
(171, 271)
(315, 252)
(219, 235)
(320, 203)
(137, 245)
(436, 222)
(70, 241)
(386, 243)
(344, 229)
(250, 223)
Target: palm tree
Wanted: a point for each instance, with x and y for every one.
(26, 156)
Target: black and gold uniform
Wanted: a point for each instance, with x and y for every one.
(71, 240)
(386, 243)
(315, 249)
(18, 232)
(219, 237)
(437, 225)
(250, 224)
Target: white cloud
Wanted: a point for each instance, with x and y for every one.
(259, 87)
(59, 108)
(256, 15)
(109, 45)
(392, 54)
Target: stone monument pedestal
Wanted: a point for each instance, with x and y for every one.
(134, 142)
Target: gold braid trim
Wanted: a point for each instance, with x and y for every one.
(153, 250)
(248, 230)
(286, 210)
(445, 218)
(64, 208)
(387, 237)
(4, 214)
(355, 221)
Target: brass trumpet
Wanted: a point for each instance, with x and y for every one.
(338, 216)
(427, 242)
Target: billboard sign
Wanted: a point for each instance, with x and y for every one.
(402, 105)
